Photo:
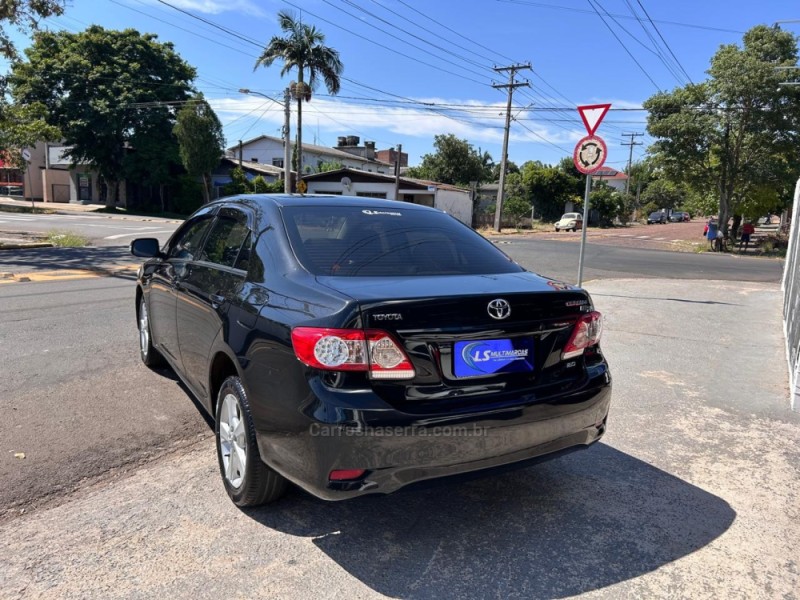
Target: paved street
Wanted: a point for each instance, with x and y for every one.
(75, 397)
(111, 449)
(101, 229)
(692, 494)
(77, 356)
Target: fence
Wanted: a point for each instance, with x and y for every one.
(791, 303)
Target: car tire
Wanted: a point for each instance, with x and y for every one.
(557, 230)
(149, 355)
(252, 483)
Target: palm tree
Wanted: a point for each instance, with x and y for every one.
(302, 48)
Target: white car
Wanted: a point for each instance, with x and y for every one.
(572, 220)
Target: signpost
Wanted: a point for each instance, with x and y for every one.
(26, 156)
(589, 155)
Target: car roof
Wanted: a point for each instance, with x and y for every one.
(281, 200)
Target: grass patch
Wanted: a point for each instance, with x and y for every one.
(66, 239)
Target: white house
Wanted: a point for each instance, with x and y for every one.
(615, 179)
(453, 200)
(269, 150)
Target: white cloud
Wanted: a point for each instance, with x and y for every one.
(476, 121)
(215, 7)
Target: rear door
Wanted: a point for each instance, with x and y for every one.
(208, 289)
(181, 249)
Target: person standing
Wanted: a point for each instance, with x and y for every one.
(747, 231)
(711, 232)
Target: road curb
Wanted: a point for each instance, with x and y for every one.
(24, 246)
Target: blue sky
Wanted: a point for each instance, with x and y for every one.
(416, 68)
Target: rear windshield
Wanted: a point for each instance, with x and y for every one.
(356, 241)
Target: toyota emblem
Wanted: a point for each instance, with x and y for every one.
(499, 309)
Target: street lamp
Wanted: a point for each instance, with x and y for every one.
(287, 168)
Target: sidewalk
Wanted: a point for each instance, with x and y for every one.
(57, 207)
(693, 493)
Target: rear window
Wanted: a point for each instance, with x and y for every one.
(350, 241)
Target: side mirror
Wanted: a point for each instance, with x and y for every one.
(146, 248)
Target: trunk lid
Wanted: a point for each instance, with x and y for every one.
(457, 334)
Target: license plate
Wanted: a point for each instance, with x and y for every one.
(491, 357)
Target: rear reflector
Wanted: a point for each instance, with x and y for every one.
(346, 474)
(370, 350)
(586, 333)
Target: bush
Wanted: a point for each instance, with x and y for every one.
(188, 195)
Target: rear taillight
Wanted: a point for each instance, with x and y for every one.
(586, 333)
(370, 350)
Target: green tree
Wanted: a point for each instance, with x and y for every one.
(608, 202)
(662, 193)
(516, 206)
(549, 188)
(103, 88)
(24, 15)
(200, 139)
(732, 133)
(153, 159)
(239, 183)
(455, 162)
(303, 49)
(21, 126)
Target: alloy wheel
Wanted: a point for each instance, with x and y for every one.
(233, 441)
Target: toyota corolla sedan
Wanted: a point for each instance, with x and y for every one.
(355, 346)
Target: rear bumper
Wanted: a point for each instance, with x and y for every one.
(397, 449)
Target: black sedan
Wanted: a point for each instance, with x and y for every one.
(354, 345)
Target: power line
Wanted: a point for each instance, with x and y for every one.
(423, 40)
(624, 47)
(350, 32)
(436, 33)
(665, 41)
(583, 10)
(452, 30)
(655, 50)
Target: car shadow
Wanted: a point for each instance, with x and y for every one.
(168, 372)
(578, 523)
(51, 259)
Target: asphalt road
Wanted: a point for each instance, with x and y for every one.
(73, 368)
(74, 396)
(102, 230)
(551, 258)
(693, 492)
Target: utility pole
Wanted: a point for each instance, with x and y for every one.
(631, 143)
(397, 172)
(287, 143)
(512, 70)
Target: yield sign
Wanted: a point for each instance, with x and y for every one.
(592, 114)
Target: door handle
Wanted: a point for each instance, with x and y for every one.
(217, 300)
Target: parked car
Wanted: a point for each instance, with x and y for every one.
(572, 220)
(656, 217)
(678, 216)
(355, 346)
